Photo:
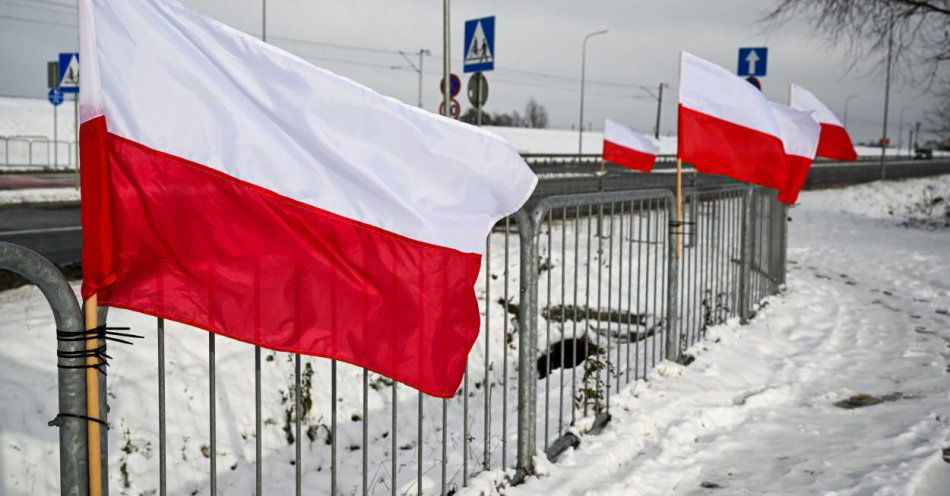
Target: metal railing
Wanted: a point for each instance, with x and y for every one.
(568, 163)
(579, 297)
(36, 152)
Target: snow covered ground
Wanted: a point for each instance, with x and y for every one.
(866, 317)
(38, 195)
(867, 312)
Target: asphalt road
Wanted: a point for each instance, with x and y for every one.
(52, 230)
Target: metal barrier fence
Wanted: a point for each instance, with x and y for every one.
(572, 163)
(583, 295)
(36, 152)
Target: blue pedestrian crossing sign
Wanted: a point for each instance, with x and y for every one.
(753, 61)
(69, 72)
(479, 45)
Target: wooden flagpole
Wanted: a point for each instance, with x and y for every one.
(92, 398)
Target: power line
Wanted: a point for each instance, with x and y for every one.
(437, 56)
(338, 45)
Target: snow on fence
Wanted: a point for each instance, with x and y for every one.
(579, 297)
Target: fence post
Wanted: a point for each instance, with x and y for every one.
(103, 313)
(527, 347)
(776, 242)
(73, 465)
(673, 342)
(748, 204)
(783, 244)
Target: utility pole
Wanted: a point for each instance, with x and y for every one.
(580, 120)
(422, 52)
(52, 76)
(887, 93)
(659, 109)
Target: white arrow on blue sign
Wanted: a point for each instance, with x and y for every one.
(69, 72)
(753, 61)
(479, 45)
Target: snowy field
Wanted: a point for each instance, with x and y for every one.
(866, 317)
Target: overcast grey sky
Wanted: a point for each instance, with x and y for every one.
(538, 51)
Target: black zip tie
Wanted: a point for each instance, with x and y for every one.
(99, 353)
(58, 420)
(101, 332)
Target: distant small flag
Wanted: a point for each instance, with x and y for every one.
(800, 132)
(727, 127)
(628, 148)
(835, 142)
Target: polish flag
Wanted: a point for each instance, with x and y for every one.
(232, 186)
(628, 148)
(727, 127)
(800, 132)
(835, 142)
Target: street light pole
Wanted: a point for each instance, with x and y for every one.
(887, 93)
(580, 120)
(846, 101)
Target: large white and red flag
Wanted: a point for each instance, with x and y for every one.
(628, 148)
(835, 142)
(232, 186)
(726, 126)
(800, 132)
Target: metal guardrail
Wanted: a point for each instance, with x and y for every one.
(590, 294)
(36, 152)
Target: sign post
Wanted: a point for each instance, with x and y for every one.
(478, 94)
(455, 86)
(56, 98)
(479, 55)
(69, 83)
(753, 61)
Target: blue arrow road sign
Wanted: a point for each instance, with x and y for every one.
(69, 72)
(55, 96)
(479, 45)
(753, 61)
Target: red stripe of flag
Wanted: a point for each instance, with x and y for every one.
(835, 143)
(628, 157)
(717, 146)
(282, 274)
